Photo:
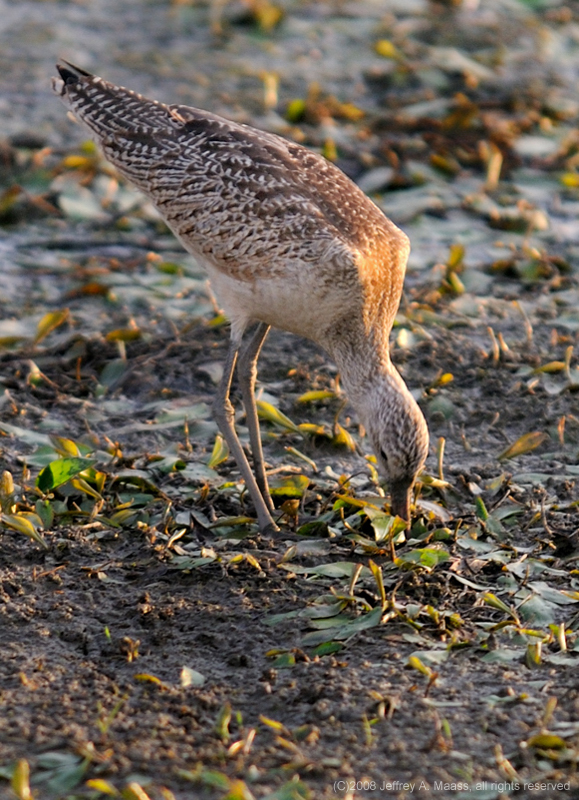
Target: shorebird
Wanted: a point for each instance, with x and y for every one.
(287, 241)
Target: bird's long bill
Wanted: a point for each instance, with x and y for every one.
(400, 500)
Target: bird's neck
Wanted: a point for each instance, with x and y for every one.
(370, 379)
(369, 386)
(362, 357)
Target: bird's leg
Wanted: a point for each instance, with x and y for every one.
(224, 415)
(247, 374)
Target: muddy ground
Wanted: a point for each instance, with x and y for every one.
(152, 644)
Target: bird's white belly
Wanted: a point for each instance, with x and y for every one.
(301, 305)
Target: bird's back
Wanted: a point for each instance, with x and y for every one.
(251, 205)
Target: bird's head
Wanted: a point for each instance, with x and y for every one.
(399, 436)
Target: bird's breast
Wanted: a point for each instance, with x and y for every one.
(293, 298)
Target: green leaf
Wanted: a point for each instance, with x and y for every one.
(386, 527)
(320, 610)
(275, 619)
(67, 777)
(45, 512)
(60, 471)
(284, 661)
(222, 722)
(427, 557)
(481, 509)
(112, 372)
(292, 790)
(337, 569)
(502, 655)
(327, 648)
(346, 630)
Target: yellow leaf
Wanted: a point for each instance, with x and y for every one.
(219, 453)
(570, 179)
(342, 438)
(49, 322)
(238, 790)
(10, 341)
(89, 147)
(273, 414)
(547, 741)
(456, 256)
(417, 664)
(253, 561)
(445, 163)
(123, 335)
(7, 492)
(302, 457)
(267, 15)
(144, 677)
(289, 554)
(20, 780)
(217, 321)
(351, 112)
(121, 517)
(354, 501)
(21, 523)
(329, 150)
(377, 573)
(495, 602)
(35, 376)
(295, 110)
(533, 654)
(525, 444)
(65, 447)
(222, 722)
(314, 396)
(313, 430)
(133, 791)
(272, 723)
(289, 485)
(83, 486)
(551, 366)
(386, 49)
(455, 283)
(79, 162)
(230, 522)
(102, 786)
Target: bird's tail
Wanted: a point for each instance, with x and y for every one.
(105, 108)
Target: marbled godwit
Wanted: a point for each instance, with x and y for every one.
(287, 240)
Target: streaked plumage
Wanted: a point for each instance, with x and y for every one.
(287, 240)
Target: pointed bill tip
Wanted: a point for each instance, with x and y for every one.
(400, 500)
(70, 75)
